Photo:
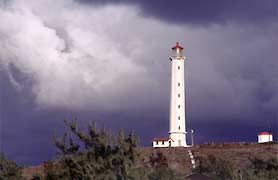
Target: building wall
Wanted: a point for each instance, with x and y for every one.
(265, 138)
(166, 144)
(177, 130)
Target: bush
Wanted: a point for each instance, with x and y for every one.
(9, 170)
(36, 177)
(95, 155)
(215, 167)
(259, 169)
(262, 169)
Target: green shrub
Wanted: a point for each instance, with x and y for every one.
(160, 169)
(216, 167)
(36, 177)
(262, 169)
(259, 169)
(9, 170)
(96, 154)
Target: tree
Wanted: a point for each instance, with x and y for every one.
(96, 154)
(93, 154)
(9, 170)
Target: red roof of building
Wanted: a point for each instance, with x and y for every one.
(177, 46)
(162, 139)
(264, 133)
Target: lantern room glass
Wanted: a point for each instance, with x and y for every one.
(177, 52)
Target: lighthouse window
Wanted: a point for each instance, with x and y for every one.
(179, 118)
(179, 127)
(156, 142)
(179, 106)
(179, 67)
(179, 84)
(179, 95)
(162, 142)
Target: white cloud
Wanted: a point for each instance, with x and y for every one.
(109, 57)
(78, 67)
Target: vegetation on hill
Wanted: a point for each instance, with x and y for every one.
(258, 169)
(9, 170)
(96, 154)
(238, 161)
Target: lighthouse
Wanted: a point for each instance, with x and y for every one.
(177, 127)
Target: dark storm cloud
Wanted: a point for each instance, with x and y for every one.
(199, 12)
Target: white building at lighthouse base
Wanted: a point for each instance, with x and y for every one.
(162, 142)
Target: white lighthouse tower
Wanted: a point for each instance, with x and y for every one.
(177, 129)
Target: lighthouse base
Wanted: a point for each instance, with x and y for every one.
(179, 139)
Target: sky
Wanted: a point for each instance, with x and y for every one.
(108, 61)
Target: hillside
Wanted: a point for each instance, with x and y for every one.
(238, 155)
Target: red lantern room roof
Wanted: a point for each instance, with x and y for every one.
(264, 133)
(177, 46)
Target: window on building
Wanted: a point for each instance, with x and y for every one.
(179, 84)
(179, 127)
(163, 142)
(156, 142)
(179, 118)
(179, 95)
(179, 67)
(179, 106)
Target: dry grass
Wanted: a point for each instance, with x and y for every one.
(28, 172)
